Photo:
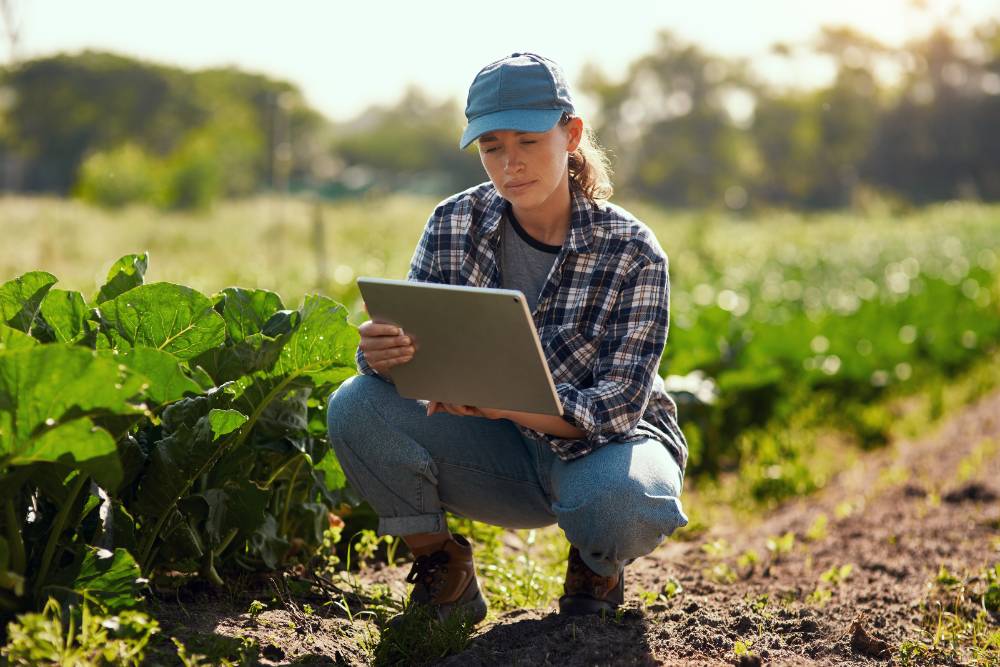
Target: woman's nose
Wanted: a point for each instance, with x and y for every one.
(513, 160)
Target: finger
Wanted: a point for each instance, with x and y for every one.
(372, 328)
(369, 343)
(391, 355)
(390, 363)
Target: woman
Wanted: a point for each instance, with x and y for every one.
(610, 470)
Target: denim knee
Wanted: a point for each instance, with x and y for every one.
(619, 520)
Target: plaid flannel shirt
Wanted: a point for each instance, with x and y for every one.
(602, 315)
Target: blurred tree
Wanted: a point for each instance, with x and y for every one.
(65, 106)
(812, 143)
(940, 140)
(216, 123)
(675, 124)
(413, 145)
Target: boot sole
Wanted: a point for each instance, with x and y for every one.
(474, 609)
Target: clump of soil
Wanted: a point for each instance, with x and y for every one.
(801, 607)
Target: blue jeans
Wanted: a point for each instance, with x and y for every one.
(615, 504)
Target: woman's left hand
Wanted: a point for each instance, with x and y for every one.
(464, 410)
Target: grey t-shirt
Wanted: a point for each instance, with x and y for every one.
(525, 262)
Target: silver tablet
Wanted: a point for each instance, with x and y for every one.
(475, 346)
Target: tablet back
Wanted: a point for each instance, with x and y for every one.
(475, 346)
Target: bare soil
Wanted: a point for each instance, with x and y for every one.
(896, 517)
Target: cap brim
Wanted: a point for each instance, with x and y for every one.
(519, 120)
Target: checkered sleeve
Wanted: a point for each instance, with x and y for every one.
(627, 364)
(423, 268)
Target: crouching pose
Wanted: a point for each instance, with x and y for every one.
(610, 470)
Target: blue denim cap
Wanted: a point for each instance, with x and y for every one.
(523, 92)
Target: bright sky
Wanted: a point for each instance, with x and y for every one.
(346, 55)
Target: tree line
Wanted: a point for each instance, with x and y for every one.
(686, 127)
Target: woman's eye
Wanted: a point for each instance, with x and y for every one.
(528, 141)
(490, 150)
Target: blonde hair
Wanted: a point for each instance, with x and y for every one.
(589, 167)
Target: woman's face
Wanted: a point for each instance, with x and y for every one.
(528, 168)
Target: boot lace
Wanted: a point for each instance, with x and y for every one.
(428, 574)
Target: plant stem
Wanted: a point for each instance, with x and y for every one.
(18, 560)
(288, 497)
(217, 551)
(146, 546)
(57, 529)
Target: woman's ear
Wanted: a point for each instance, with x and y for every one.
(574, 133)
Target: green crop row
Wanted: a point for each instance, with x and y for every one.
(777, 321)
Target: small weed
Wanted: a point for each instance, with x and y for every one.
(976, 458)
(255, 609)
(648, 597)
(820, 596)
(946, 579)
(835, 575)
(955, 625)
(672, 588)
(779, 546)
(748, 559)
(716, 549)
(817, 531)
(78, 636)
(742, 648)
(720, 573)
(366, 542)
(843, 510)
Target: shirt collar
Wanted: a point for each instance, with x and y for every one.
(581, 222)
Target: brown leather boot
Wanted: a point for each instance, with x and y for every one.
(444, 579)
(587, 592)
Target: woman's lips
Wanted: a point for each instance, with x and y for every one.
(519, 187)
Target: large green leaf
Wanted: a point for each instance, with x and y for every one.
(21, 298)
(225, 363)
(78, 444)
(66, 314)
(12, 339)
(168, 317)
(319, 350)
(110, 578)
(246, 311)
(126, 273)
(48, 394)
(334, 478)
(167, 379)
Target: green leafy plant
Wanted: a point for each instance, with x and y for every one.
(77, 636)
(151, 427)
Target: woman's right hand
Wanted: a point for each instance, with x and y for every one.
(385, 346)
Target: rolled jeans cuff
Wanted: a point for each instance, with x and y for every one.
(412, 525)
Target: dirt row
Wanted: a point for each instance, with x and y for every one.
(894, 519)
